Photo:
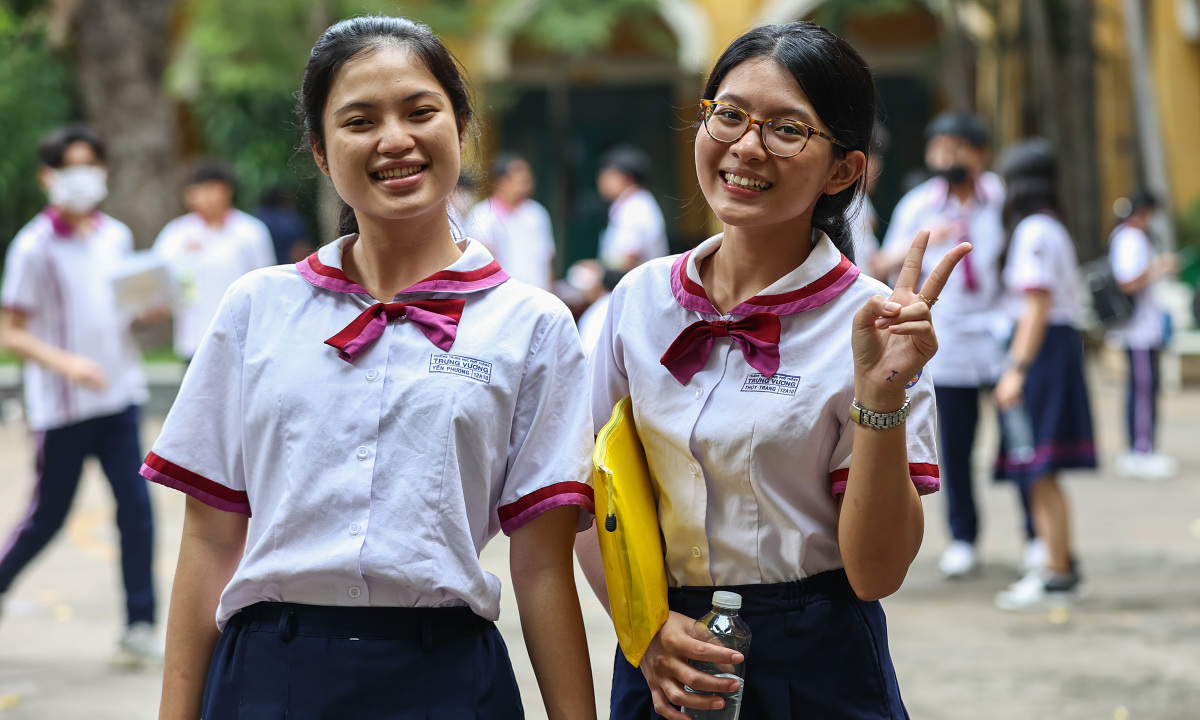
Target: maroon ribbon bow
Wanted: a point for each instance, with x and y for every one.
(437, 319)
(757, 334)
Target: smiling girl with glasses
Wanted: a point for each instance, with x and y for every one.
(770, 384)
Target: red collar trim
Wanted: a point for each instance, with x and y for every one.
(690, 294)
(454, 281)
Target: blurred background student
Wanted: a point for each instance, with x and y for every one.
(636, 231)
(961, 202)
(289, 232)
(514, 226)
(1137, 265)
(83, 372)
(208, 249)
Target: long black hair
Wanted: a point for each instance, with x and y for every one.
(1030, 174)
(838, 83)
(358, 36)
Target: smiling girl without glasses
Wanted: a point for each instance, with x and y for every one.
(746, 359)
(383, 407)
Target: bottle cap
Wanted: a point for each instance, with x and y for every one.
(727, 600)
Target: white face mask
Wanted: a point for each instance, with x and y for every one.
(78, 188)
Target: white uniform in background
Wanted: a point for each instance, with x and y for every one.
(205, 262)
(520, 238)
(635, 227)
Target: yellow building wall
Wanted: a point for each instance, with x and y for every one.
(1176, 63)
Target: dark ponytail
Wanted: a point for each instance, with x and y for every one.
(1030, 175)
(838, 83)
(351, 38)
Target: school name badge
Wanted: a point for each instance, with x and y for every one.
(777, 384)
(462, 366)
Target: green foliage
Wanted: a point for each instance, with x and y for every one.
(1187, 233)
(36, 94)
(832, 14)
(239, 66)
(576, 26)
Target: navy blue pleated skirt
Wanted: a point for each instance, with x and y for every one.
(1056, 398)
(816, 651)
(307, 662)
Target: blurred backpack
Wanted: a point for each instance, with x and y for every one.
(1113, 308)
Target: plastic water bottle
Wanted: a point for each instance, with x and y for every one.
(1018, 434)
(722, 626)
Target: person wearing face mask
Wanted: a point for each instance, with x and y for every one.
(208, 249)
(82, 376)
(962, 201)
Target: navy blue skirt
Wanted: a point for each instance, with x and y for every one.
(816, 651)
(1056, 397)
(308, 662)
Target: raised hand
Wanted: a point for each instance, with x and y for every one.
(893, 338)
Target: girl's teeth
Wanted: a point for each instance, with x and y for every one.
(746, 182)
(400, 172)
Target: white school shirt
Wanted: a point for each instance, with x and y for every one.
(969, 322)
(519, 238)
(61, 281)
(377, 482)
(205, 262)
(1042, 257)
(1130, 253)
(635, 227)
(747, 470)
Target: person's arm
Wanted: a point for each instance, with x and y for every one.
(1161, 266)
(543, 577)
(212, 545)
(881, 521)
(587, 549)
(16, 338)
(1024, 349)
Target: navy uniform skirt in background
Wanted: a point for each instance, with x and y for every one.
(816, 651)
(1056, 398)
(307, 662)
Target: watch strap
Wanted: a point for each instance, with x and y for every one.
(877, 420)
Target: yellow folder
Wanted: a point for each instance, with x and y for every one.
(630, 541)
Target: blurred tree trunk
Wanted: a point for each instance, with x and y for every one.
(958, 59)
(1060, 37)
(121, 50)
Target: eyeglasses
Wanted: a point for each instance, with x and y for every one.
(781, 137)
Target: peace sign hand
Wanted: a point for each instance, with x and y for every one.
(893, 338)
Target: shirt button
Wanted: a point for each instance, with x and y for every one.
(363, 452)
(354, 591)
(372, 374)
(696, 552)
(699, 392)
(354, 528)
(693, 469)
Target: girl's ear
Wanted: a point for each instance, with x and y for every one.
(462, 131)
(318, 151)
(845, 172)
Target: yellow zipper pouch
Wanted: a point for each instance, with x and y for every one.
(630, 541)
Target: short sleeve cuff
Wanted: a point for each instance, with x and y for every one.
(213, 494)
(925, 476)
(516, 514)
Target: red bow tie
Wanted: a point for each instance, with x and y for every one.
(757, 334)
(438, 319)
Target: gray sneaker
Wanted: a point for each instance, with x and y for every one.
(139, 647)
